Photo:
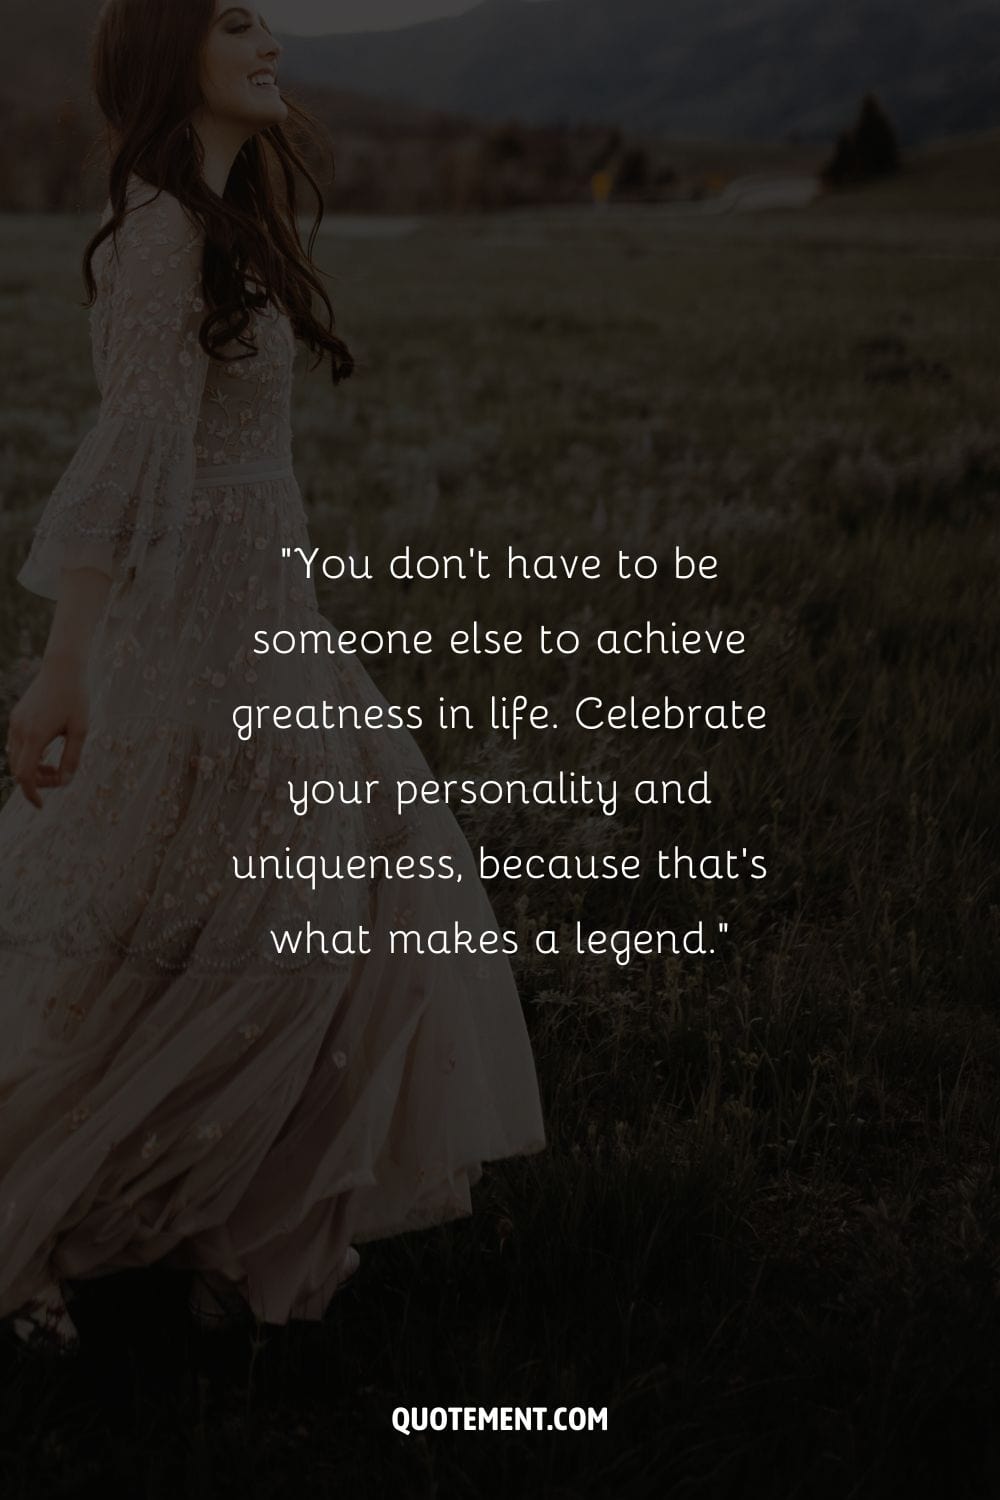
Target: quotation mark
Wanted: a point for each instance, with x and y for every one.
(723, 927)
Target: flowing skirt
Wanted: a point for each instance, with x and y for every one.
(173, 1088)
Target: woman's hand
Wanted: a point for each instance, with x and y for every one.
(55, 704)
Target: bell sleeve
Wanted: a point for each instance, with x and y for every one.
(121, 505)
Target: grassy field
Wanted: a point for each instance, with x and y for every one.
(766, 1232)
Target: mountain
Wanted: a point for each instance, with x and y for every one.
(46, 52)
(414, 113)
(729, 69)
(52, 137)
(726, 69)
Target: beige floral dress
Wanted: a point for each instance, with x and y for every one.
(172, 1087)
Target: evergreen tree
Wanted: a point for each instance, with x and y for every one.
(875, 140)
(870, 149)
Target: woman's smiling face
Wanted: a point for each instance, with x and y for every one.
(238, 70)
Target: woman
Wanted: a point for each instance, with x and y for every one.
(178, 1085)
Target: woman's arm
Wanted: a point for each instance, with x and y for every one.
(57, 701)
(114, 519)
(120, 505)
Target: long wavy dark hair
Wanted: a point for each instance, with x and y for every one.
(144, 68)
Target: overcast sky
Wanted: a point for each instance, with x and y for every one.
(314, 16)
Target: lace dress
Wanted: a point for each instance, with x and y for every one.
(172, 1087)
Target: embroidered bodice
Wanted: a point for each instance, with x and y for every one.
(148, 360)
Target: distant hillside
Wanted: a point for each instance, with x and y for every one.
(730, 69)
(391, 155)
(45, 48)
(481, 111)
